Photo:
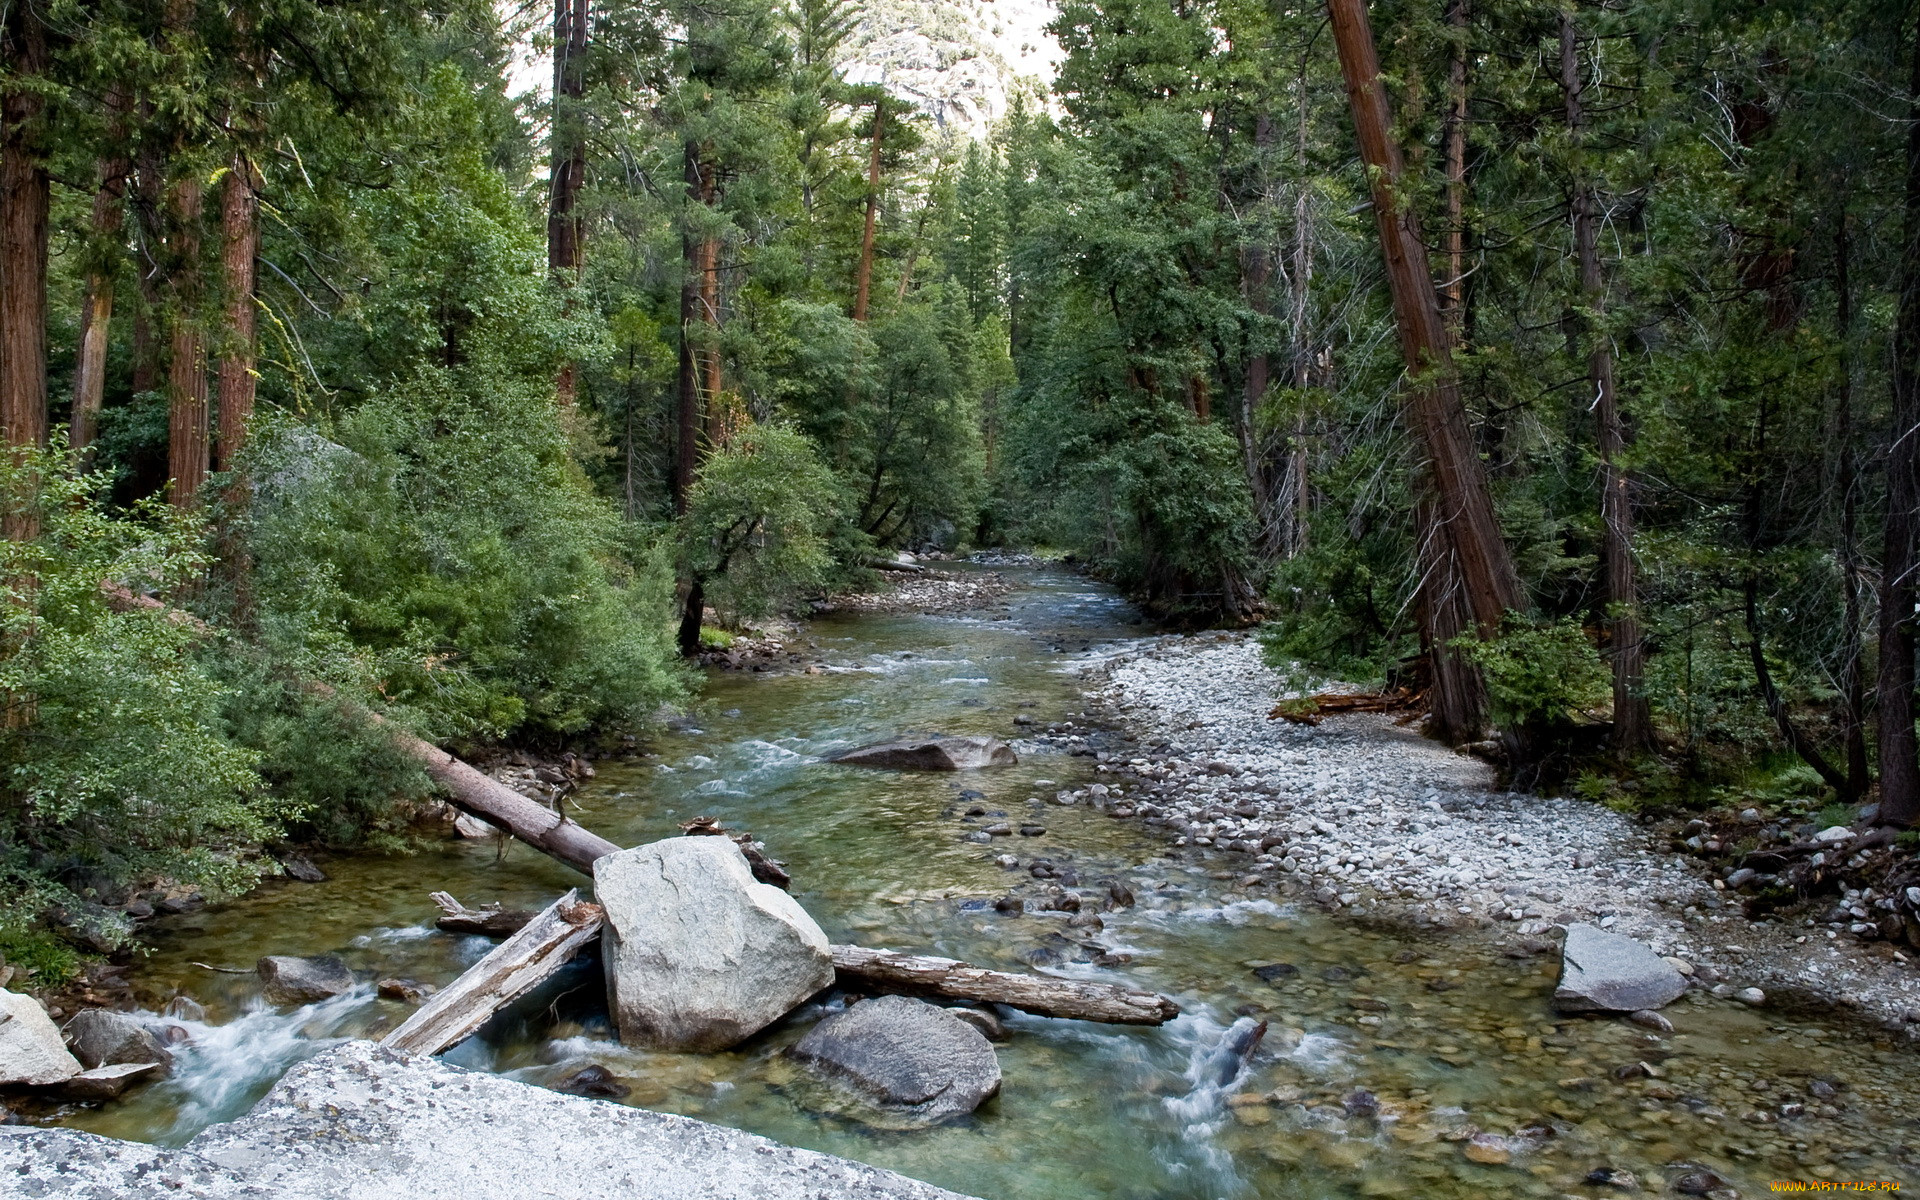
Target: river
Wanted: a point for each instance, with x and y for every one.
(1384, 1047)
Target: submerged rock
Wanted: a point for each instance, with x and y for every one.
(699, 955)
(933, 754)
(1606, 972)
(906, 1057)
(103, 1039)
(291, 980)
(356, 1122)
(32, 1052)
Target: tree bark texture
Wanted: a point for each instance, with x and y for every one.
(860, 968)
(1632, 717)
(187, 418)
(1899, 755)
(515, 967)
(864, 283)
(1847, 482)
(1470, 553)
(25, 198)
(1453, 292)
(565, 230)
(96, 305)
(240, 247)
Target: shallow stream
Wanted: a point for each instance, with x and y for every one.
(1384, 1047)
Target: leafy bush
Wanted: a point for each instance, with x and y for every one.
(440, 548)
(1539, 674)
(758, 520)
(116, 764)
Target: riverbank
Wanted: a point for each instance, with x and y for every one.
(1379, 824)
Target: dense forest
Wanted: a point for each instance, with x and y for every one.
(1549, 365)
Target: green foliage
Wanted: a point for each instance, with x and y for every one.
(1540, 674)
(757, 521)
(442, 549)
(116, 765)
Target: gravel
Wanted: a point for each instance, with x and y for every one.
(1368, 817)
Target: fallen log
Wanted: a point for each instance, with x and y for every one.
(456, 917)
(471, 791)
(862, 969)
(889, 971)
(543, 945)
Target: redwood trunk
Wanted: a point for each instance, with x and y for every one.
(96, 306)
(25, 197)
(1899, 756)
(565, 252)
(1469, 552)
(187, 432)
(1453, 294)
(1632, 720)
(865, 281)
(240, 247)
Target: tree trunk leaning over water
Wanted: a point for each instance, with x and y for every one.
(1470, 552)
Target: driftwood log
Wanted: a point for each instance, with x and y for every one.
(510, 970)
(456, 917)
(860, 968)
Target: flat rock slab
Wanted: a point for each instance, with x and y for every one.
(914, 1062)
(1605, 972)
(360, 1123)
(933, 754)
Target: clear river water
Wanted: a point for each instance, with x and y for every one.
(1385, 1048)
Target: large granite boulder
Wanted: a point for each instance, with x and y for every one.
(100, 1038)
(699, 955)
(356, 1122)
(914, 1063)
(933, 754)
(291, 980)
(1605, 972)
(32, 1053)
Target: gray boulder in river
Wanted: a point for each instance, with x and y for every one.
(107, 1039)
(905, 1057)
(356, 1122)
(32, 1053)
(291, 980)
(933, 754)
(700, 955)
(1605, 972)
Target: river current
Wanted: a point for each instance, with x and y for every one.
(1385, 1049)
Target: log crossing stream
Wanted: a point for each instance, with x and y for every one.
(1384, 1051)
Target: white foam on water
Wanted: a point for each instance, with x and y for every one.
(222, 1069)
(404, 933)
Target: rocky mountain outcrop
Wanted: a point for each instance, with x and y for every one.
(960, 61)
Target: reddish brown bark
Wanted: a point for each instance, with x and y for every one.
(1470, 553)
(187, 441)
(1632, 718)
(1453, 292)
(864, 283)
(565, 229)
(96, 306)
(240, 246)
(25, 197)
